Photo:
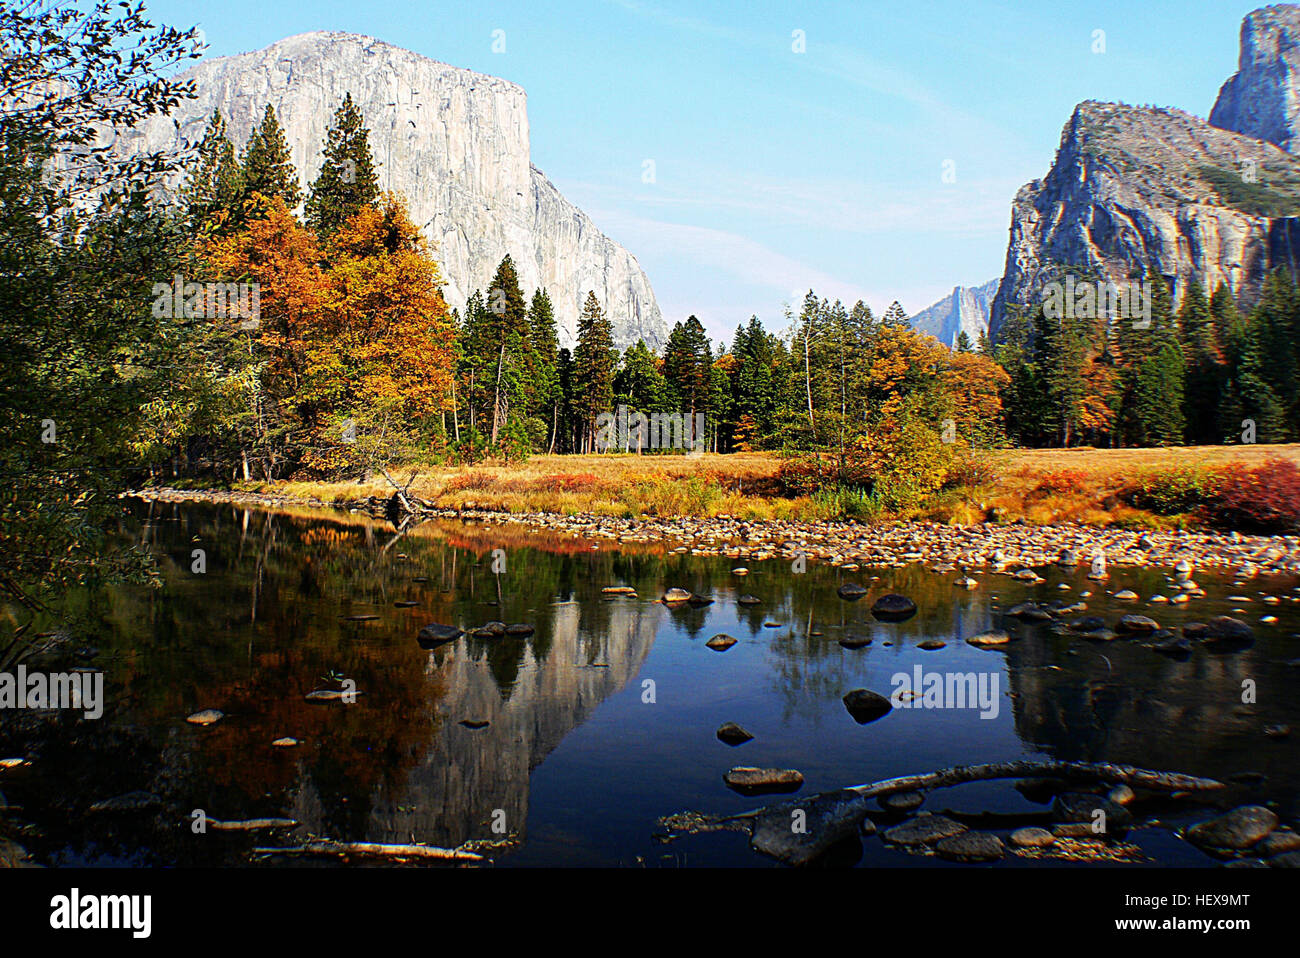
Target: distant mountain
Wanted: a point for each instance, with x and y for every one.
(454, 142)
(1137, 188)
(965, 308)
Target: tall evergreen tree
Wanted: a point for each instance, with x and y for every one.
(594, 362)
(266, 166)
(1205, 372)
(544, 368)
(347, 180)
(213, 183)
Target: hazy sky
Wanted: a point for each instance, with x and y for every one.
(774, 170)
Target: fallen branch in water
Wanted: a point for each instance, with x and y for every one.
(689, 823)
(325, 847)
(251, 824)
(1103, 771)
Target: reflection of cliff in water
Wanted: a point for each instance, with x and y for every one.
(464, 775)
(1121, 702)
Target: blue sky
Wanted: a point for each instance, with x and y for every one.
(776, 171)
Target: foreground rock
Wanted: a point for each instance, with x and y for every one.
(755, 781)
(800, 832)
(1235, 830)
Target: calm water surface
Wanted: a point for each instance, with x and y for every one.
(577, 759)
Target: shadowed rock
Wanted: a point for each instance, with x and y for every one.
(800, 832)
(866, 706)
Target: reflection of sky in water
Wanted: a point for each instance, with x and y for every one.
(576, 760)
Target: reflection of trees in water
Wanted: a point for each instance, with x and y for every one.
(265, 625)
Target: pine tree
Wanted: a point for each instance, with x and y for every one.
(212, 185)
(506, 341)
(1205, 372)
(347, 180)
(266, 166)
(544, 369)
(688, 362)
(594, 361)
(895, 317)
(963, 342)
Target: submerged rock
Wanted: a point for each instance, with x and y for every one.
(490, 630)
(866, 706)
(520, 630)
(1228, 631)
(753, 781)
(748, 599)
(733, 734)
(1238, 829)
(850, 591)
(800, 832)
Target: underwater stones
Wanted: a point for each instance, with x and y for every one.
(1227, 630)
(748, 599)
(850, 591)
(520, 630)
(490, 630)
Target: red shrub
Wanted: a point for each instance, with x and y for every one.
(1263, 499)
(1066, 480)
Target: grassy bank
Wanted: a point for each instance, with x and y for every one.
(1090, 486)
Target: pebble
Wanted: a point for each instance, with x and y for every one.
(206, 717)
(733, 734)
(1032, 838)
(720, 643)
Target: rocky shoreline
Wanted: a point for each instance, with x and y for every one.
(846, 544)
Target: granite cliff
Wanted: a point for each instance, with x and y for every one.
(454, 142)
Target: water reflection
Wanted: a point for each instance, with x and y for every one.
(598, 722)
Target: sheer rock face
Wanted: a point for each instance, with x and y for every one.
(1262, 99)
(454, 142)
(965, 309)
(1133, 187)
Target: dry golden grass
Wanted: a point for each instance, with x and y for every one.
(1040, 485)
